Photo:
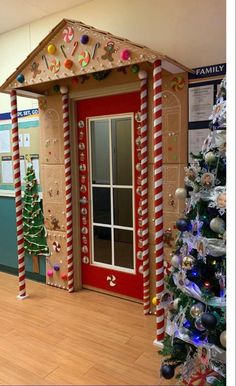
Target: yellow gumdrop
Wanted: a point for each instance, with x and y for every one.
(51, 49)
(154, 301)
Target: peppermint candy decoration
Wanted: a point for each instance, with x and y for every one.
(56, 246)
(68, 34)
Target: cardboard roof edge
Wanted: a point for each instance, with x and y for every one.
(59, 26)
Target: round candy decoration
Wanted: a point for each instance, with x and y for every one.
(125, 54)
(20, 78)
(68, 63)
(177, 83)
(56, 267)
(135, 68)
(209, 321)
(68, 34)
(84, 58)
(197, 310)
(154, 301)
(64, 276)
(51, 49)
(84, 39)
(85, 260)
(140, 269)
(81, 124)
(56, 246)
(84, 249)
(84, 230)
(50, 273)
(167, 371)
(81, 146)
(140, 255)
(217, 225)
(54, 66)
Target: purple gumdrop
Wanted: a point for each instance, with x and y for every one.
(56, 267)
(84, 39)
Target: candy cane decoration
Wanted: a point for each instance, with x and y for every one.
(144, 190)
(18, 200)
(67, 162)
(158, 196)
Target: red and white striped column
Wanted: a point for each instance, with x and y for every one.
(144, 189)
(158, 196)
(18, 199)
(67, 162)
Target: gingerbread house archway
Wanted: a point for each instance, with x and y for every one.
(74, 61)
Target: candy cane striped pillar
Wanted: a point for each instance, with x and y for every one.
(144, 192)
(67, 162)
(158, 196)
(18, 200)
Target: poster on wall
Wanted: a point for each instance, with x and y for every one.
(5, 144)
(201, 101)
(7, 170)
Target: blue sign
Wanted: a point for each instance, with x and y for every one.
(207, 71)
(21, 114)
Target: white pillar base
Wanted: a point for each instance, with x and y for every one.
(19, 297)
(158, 343)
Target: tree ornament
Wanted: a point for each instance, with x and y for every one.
(188, 262)
(176, 304)
(135, 68)
(197, 310)
(180, 193)
(217, 225)
(210, 158)
(20, 78)
(198, 324)
(208, 320)
(183, 224)
(223, 338)
(167, 371)
(176, 261)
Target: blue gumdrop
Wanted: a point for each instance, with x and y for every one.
(20, 78)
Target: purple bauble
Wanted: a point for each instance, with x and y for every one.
(183, 224)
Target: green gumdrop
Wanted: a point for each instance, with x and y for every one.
(135, 68)
(56, 88)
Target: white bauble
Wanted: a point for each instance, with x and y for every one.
(176, 261)
(217, 225)
(63, 90)
(223, 338)
(210, 157)
(180, 193)
(142, 74)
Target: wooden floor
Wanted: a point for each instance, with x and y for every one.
(84, 338)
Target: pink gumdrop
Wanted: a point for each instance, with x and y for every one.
(50, 273)
(125, 54)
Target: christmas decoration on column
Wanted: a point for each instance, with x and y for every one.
(33, 221)
(195, 341)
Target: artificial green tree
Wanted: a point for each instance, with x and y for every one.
(195, 343)
(35, 242)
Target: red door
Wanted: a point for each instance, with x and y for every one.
(109, 180)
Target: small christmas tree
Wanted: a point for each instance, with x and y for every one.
(33, 221)
(195, 297)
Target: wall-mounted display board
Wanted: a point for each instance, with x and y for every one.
(203, 87)
(29, 145)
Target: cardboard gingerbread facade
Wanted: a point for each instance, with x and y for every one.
(82, 77)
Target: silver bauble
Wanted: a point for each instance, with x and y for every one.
(188, 262)
(217, 225)
(198, 325)
(197, 310)
(210, 157)
(180, 193)
(176, 261)
(223, 338)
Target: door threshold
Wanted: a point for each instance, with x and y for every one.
(113, 294)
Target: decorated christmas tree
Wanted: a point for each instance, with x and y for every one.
(195, 295)
(33, 221)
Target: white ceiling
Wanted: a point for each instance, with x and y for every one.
(15, 13)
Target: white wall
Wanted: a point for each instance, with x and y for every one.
(190, 31)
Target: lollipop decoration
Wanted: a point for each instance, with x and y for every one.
(68, 34)
(177, 83)
(84, 58)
